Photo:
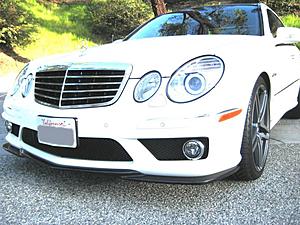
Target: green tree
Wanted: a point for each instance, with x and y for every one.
(284, 7)
(117, 18)
(15, 24)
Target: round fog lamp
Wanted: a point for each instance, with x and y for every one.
(193, 149)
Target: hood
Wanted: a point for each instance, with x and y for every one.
(164, 54)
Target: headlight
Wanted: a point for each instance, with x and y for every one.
(195, 78)
(147, 86)
(19, 80)
(26, 85)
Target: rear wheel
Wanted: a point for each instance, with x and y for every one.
(255, 144)
(295, 112)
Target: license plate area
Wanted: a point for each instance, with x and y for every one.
(58, 132)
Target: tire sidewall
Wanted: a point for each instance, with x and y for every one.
(248, 170)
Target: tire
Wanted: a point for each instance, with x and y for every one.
(295, 112)
(255, 143)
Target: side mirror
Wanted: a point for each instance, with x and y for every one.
(288, 35)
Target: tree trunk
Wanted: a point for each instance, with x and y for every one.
(158, 7)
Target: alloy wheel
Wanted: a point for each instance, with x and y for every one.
(260, 130)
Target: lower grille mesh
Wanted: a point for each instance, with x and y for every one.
(171, 148)
(15, 129)
(88, 148)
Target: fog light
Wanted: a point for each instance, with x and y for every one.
(8, 126)
(193, 149)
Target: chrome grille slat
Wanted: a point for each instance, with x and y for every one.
(82, 98)
(45, 83)
(46, 96)
(94, 90)
(47, 90)
(102, 83)
(93, 76)
(52, 77)
(73, 87)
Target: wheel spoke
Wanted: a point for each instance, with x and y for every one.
(256, 109)
(254, 131)
(260, 153)
(263, 107)
(254, 143)
(257, 153)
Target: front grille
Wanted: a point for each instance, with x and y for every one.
(102, 149)
(79, 88)
(171, 148)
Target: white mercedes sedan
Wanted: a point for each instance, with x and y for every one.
(188, 97)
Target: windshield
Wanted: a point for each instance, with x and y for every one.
(230, 19)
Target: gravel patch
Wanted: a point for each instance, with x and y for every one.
(34, 194)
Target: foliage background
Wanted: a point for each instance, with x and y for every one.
(15, 24)
(284, 7)
(115, 18)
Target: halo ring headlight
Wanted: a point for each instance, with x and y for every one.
(195, 78)
(195, 83)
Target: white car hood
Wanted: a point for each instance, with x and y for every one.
(164, 54)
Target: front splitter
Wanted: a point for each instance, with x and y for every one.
(127, 174)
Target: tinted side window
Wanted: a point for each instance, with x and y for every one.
(274, 23)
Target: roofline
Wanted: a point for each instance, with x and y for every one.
(232, 1)
(230, 4)
(221, 3)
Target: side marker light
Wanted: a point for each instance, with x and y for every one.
(230, 115)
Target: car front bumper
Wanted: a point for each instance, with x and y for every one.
(127, 125)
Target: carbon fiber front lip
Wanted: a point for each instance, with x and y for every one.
(128, 174)
(183, 180)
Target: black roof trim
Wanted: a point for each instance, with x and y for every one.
(222, 2)
(211, 3)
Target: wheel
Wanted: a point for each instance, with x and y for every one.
(255, 143)
(295, 112)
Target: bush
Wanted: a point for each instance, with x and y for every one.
(284, 7)
(116, 17)
(15, 27)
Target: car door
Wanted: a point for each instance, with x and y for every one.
(285, 61)
(285, 58)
